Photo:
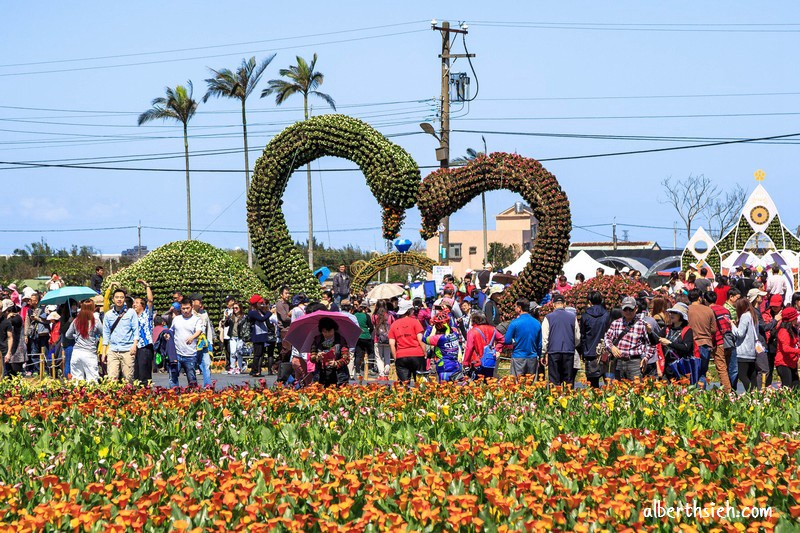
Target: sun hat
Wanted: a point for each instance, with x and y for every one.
(681, 309)
(497, 288)
(752, 294)
(98, 300)
(53, 316)
(6, 305)
(12, 286)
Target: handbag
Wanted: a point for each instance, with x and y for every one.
(606, 355)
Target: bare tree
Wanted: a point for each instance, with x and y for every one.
(690, 197)
(722, 213)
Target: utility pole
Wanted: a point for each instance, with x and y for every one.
(614, 232)
(483, 208)
(675, 235)
(443, 154)
(139, 248)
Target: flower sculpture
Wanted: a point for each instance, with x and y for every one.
(445, 191)
(391, 173)
(190, 267)
(366, 271)
(613, 289)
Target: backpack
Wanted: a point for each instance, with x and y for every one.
(244, 330)
(488, 358)
(383, 333)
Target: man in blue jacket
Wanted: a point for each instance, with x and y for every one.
(525, 333)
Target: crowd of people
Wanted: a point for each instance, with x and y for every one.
(746, 325)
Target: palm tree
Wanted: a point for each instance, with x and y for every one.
(302, 79)
(177, 105)
(471, 154)
(239, 85)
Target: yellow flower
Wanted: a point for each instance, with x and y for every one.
(563, 402)
(432, 416)
(289, 417)
(96, 439)
(446, 410)
(648, 400)
(648, 411)
(103, 452)
(400, 417)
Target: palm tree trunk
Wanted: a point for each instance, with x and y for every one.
(247, 184)
(310, 210)
(188, 186)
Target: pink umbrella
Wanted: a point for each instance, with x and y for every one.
(303, 330)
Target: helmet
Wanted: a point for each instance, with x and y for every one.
(442, 317)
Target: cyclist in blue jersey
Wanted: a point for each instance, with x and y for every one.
(446, 344)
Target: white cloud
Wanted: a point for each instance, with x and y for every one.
(43, 210)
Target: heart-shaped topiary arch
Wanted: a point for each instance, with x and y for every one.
(363, 273)
(445, 191)
(392, 176)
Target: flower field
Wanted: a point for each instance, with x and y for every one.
(484, 457)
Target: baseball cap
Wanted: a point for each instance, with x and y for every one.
(497, 288)
(645, 294)
(256, 299)
(625, 270)
(404, 306)
(176, 305)
(628, 303)
(776, 300)
(558, 298)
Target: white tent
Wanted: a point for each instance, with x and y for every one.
(581, 263)
(519, 265)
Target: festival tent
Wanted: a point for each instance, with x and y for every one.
(581, 263)
(519, 265)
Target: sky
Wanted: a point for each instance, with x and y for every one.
(75, 76)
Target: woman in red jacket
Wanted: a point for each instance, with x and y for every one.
(478, 337)
(788, 350)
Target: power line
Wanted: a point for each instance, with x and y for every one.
(19, 164)
(256, 110)
(680, 28)
(140, 63)
(638, 97)
(637, 117)
(139, 54)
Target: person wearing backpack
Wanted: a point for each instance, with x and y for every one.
(594, 324)
(484, 342)
(382, 321)
(237, 331)
(259, 332)
(703, 322)
(677, 342)
(745, 350)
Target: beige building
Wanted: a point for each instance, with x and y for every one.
(515, 225)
